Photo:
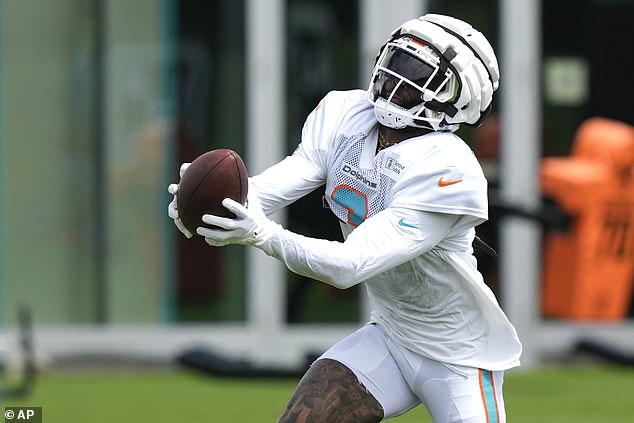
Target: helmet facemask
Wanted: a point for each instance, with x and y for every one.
(408, 79)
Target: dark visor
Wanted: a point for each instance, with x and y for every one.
(407, 66)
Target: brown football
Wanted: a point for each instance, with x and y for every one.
(212, 177)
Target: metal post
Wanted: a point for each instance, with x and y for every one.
(520, 151)
(265, 39)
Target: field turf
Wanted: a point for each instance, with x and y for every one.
(571, 394)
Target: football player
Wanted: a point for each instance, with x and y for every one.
(409, 194)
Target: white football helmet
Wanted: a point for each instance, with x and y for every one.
(434, 72)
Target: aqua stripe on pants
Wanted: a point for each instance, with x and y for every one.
(487, 388)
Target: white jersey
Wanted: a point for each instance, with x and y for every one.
(408, 214)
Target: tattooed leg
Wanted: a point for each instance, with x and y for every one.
(330, 392)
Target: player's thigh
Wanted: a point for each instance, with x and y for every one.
(475, 398)
(330, 392)
(366, 353)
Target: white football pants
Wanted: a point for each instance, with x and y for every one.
(400, 380)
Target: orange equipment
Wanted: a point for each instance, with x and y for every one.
(589, 269)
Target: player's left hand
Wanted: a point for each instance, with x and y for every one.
(249, 227)
(172, 209)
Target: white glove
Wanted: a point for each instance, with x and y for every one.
(249, 227)
(172, 209)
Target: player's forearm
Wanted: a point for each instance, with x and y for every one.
(332, 262)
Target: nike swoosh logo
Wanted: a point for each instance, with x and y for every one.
(443, 183)
(407, 225)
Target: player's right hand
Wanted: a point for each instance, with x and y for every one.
(249, 226)
(172, 209)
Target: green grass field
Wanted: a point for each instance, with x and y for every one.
(572, 394)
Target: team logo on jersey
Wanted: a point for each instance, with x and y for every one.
(356, 174)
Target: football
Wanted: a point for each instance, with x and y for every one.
(209, 179)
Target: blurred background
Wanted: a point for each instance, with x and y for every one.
(101, 100)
